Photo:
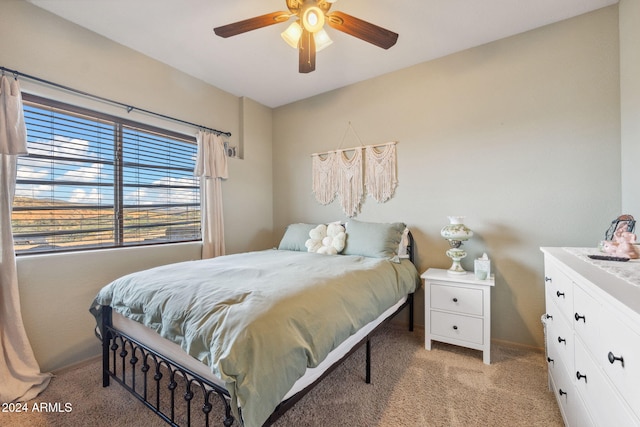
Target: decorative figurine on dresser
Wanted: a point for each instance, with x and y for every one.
(592, 329)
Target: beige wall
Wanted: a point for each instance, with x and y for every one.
(521, 135)
(630, 105)
(56, 290)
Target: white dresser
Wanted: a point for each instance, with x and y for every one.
(592, 325)
(458, 310)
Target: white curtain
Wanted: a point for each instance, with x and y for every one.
(20, 376)
(211, 167)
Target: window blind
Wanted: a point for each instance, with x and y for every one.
(94, 181)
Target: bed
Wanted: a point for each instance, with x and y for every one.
(256, 331)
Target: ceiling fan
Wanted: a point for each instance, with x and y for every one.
(307, 33)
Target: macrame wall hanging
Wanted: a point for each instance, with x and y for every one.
(380, 171)
(350, 189)
(324, 177)
(346, 173)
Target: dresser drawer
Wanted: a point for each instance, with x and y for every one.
(560, 339)
(457, 299)
(572, 407)
(621, 342)
(586, 318)
(606, 408)
(559, 289)
(456, 326)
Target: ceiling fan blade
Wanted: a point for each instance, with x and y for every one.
(306, 52)
(363, 30)
(251, 24)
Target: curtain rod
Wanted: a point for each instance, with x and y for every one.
(129, 108)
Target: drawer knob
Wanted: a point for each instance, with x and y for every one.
(579, 376)
(548, 316)
(561, 392)
(547, 279)
(578, 317)
(455, 327)
(549, 360)
(560, 294)
(613, 358)
(455, 300)
(562, 340)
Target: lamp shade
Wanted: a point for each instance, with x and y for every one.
(292, 34)
(456, 230)
(322, 40)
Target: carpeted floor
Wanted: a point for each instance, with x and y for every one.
(448, 386)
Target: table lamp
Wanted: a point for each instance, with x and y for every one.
(456, 233)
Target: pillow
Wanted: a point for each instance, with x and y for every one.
(375, 240)
(295, 236)
(326, 239)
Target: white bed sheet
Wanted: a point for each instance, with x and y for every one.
(174, 352)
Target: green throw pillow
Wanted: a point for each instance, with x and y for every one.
(295, 236)
(375, 240)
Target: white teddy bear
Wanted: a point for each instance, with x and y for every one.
(316, 235)
(326, 239)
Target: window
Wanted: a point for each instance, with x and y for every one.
(96, 181)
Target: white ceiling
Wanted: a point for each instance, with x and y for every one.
(261, 66)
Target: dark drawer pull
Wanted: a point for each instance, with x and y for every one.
(455, 300)
(579, 376)
(560, 294)
(547, 279)
(613, 358)
(549, 360)
(578, 317)
(455, 327)
(561, 392)
(560, 339)
(548, 316)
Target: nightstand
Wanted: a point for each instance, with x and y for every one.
(458, 310)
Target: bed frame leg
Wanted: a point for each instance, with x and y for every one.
(368, 362)
(106, 341)
(411, 312)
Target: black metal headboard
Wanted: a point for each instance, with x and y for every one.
(410, 248)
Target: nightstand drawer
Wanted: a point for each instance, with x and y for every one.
(457, 299)
(458, 327)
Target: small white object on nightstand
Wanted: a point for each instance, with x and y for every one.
(458, 310)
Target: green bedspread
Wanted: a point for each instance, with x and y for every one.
(259, 319)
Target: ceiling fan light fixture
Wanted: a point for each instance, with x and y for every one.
(292, 34)
(322, 40)
(313, 19)
(307, 33)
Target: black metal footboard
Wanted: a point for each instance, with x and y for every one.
(176, 394)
